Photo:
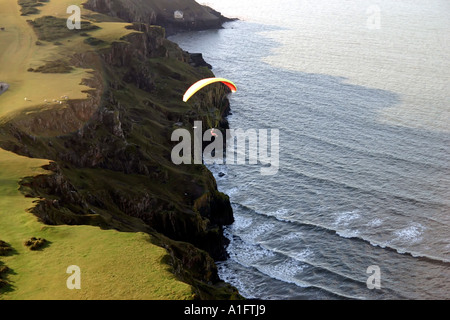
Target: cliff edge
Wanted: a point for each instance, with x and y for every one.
(175, 16)
(110, 152)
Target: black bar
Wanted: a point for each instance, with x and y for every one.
(247, 309)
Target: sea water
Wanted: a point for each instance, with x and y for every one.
(360, 93)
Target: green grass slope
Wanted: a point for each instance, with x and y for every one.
(22, 49)
(114, 265)
(110, 144)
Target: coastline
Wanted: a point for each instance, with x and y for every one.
(192, 15)
(110, 169)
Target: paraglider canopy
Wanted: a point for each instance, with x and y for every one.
(205, 82)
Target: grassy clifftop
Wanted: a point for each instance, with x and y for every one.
(114, 265)
(22, 49)
(102, 113)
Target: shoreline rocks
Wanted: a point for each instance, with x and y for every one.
(196, 60)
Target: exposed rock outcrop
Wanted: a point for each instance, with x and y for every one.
(192, 16)
(111, 154)
(196, 60)
(3, 87)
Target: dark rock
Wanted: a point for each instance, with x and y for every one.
(35, 243)
(196, 60)
(3, 87)
(5, 248)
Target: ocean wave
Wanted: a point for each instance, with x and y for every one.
(410, 232)
(278, 265)
(375, 223)
(346, 217)
(260, 258)
(290, 236)
(382, 155)
(379, 193)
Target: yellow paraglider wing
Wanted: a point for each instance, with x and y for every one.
(205, 82)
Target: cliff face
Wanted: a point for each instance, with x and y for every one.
(111, 154)
(190, 15)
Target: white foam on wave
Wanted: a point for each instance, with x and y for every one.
(342, 223)
(411, 234)
(242, 222)
(403, 240)
(447, 247)
(253, 232)
(247, 254)
(233, 191)
(348, 234)
(267, 261)
(259, 230)
(291, 236)
(285, 271)
(375, 223)
(343, 219)
(242, 281)
(282, 214)
(303, 254)
(250, 201)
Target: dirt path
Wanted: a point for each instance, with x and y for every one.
(16, 41)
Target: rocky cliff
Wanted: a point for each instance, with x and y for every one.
(174, 16)
(111, 154)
